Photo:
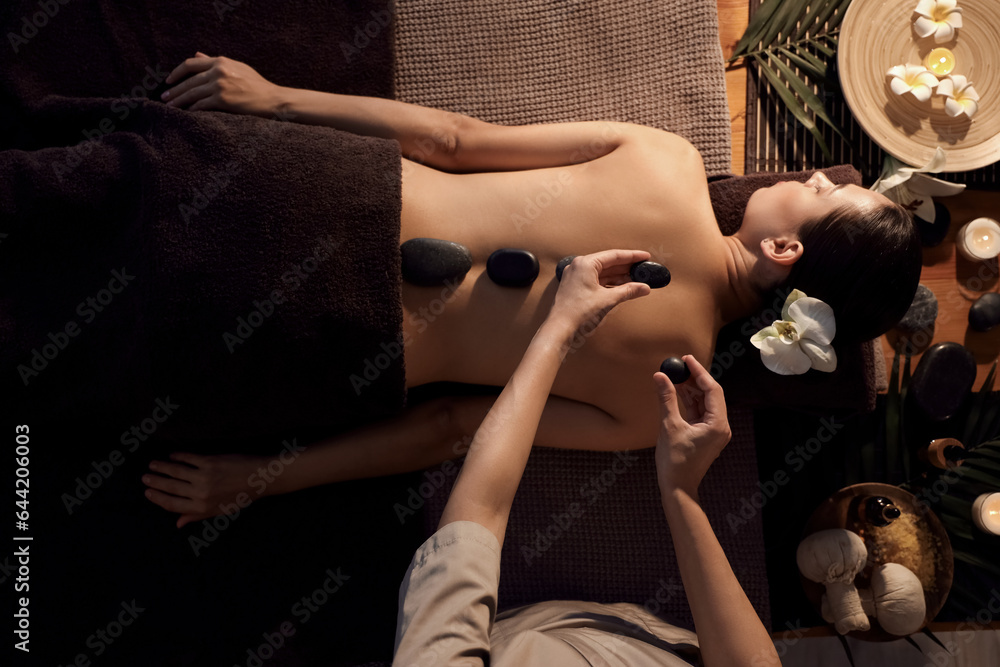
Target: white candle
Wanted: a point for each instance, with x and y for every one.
(979, 240)
(986, 513)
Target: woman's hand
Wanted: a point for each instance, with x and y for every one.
(198, 487)
(594, 284)
(221, 84)
(686, 449)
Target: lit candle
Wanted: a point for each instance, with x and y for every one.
(941, 61)
(986, 513)
(979, 239)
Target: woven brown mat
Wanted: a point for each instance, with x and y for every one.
(544, 61)
(590, 526)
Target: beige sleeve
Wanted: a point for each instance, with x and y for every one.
(448, 599)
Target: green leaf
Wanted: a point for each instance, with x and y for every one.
(807, 55)
(974, 428)
(790, 10)
(805, 93)
(821, 47)
(805, 65)
(892, 415)
(808, 22)
(904, 386)
(957, 526)
(793, 104)
(914, 644)
(974, 559)
(756, 28)
(832, 23)
(927, 631)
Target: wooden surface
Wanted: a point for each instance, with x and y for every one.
(955, 282)
(733, 15)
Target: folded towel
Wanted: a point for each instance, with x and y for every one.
(246, 268)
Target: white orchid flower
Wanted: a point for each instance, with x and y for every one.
(912, 189)
(914, 79)
(939, 18)
(801, 339)
(962, 97)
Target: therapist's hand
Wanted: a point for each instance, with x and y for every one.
(594, 284)
(686, 449)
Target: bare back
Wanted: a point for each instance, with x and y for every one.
(638, 197)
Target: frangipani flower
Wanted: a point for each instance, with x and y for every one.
(939, 18)
(962, 97)
(800, 340)
(915, 79)
(912, 189)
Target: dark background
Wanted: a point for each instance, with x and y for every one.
(116, 547)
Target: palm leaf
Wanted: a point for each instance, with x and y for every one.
(892, 415)
(788, 35)
(788, 97)
(934, 638)
(975, 428)
(904, 386)
(914, 644)
(974, 559)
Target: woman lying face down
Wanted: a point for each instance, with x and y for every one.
(557, 190)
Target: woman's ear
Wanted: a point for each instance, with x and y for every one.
(782, 251)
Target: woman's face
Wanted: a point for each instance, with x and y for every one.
(786, 206)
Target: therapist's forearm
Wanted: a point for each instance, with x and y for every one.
(493, 467)
(729, 631)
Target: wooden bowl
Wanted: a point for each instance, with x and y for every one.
(878, 34)
(935, 570)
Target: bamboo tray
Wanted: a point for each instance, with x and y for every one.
(876, 35)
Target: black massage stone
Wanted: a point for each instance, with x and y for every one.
(942, 380)
(675, 369)
(653, 274)
(561, 266)
(985, 312)
(933, 233)
(922, 312)
(512, 267)
(430, 262)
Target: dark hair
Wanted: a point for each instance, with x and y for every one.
(865, 264)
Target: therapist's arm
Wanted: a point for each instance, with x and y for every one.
(729, 631)
(591, 286)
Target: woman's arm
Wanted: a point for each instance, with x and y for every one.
(441, 139)
(729, 631)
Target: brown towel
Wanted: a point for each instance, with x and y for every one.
(246, 268)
